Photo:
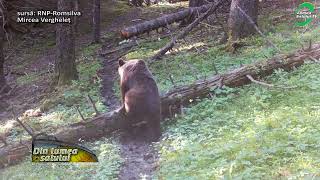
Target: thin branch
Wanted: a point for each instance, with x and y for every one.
(310, 44)
(313, 59)
(83, 119)
(266, 84)
(168, 46)
(28, 129)
(93, 104)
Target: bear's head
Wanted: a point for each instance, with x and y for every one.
(135, 65)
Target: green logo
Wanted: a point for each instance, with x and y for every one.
(305, 11)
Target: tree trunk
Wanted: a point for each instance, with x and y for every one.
(171, 102)
(239, 25)
(75, 18)
(65, 42)
(192, 4)
(96, 21)
(212, 8)
(3, 85)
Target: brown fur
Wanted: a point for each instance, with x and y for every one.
(140, 97)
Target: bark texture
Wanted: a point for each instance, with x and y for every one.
(212, 8)
(239, 26)
(3, 85)
(162, 21)
(65, 42)
(2, 76)
(171, 102)
(96, 21)
(192, 4)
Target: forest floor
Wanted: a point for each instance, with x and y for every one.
(244, 132)
(34, 91)
(140, 158)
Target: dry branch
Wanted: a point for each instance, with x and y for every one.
(212, 7)
(93, 104)
(266, 84)
(171, 102)
(77, 108)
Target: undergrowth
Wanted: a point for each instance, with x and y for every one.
(251, 133)
(202, 57)
(59, 111)
(60, 106)
(243, 133)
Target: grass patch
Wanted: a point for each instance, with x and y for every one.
(187, 65)
(76, 94)
(253, 133)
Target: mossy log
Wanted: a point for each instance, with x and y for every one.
(104, 124)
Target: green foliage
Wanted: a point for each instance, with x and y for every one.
(242, 133)
(147, 49)
(187, 65)
(107, 167)
(61, 111)
(60, 106)
(76, 95)
(258, 134)
(28, 78)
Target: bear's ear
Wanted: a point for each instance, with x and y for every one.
(141, 62)
(121, 62)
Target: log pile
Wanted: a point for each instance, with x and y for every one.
(106, 123)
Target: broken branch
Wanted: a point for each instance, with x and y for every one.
(167, 47)
(93, 104)
(266, 84)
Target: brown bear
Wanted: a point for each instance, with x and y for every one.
(140, 99)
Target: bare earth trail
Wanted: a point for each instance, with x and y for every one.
(140, 158)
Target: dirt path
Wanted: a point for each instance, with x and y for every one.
(140, 157)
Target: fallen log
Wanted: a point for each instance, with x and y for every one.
(162, 21)
(212, 8)
(236, 78)
(170, 102)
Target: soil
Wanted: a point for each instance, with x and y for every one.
(140, 158)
